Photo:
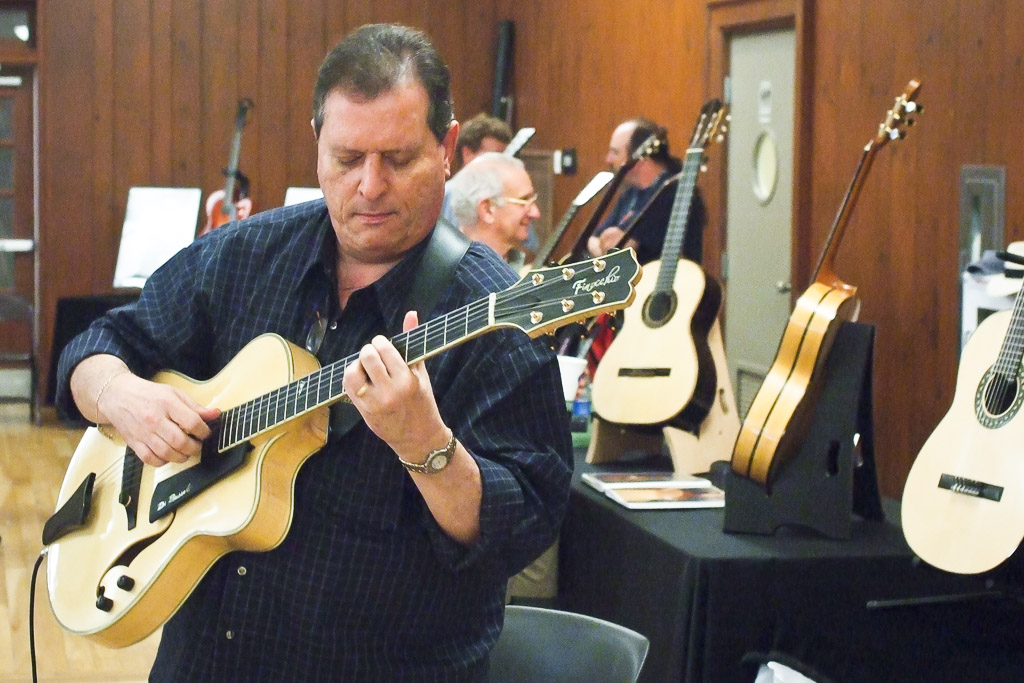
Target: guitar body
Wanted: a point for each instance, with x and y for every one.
(659, 371)
(250, 508)
(779, 416)
(953, 529)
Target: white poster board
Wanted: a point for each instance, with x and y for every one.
(158, 223)
(297, 195)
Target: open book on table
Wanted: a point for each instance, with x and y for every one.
(656, 490)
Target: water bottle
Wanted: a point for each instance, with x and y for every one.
(580, 421)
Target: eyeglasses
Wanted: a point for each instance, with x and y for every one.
(526, 202)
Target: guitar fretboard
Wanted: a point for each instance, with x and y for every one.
(1012, 351)
(324, 386)
(676, 232)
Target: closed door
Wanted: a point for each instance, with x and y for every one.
(759, 220)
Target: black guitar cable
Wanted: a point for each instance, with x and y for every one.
(32, 613)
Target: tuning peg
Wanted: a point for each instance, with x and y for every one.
(703, 168)
(895, 134)
(911, 121)
(912, 107)
(720, 137)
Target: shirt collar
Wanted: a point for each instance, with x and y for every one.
(391, 290)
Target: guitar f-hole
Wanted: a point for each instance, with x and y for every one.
(659, 308)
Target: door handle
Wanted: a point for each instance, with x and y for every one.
(783, 287)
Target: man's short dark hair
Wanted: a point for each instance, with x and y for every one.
(473, 132)
(375, 58)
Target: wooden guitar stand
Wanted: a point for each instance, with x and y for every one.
(827, 480)
(691, 453)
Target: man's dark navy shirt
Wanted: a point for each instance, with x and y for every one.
(365, 586)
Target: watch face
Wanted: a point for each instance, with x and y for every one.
(439, 462)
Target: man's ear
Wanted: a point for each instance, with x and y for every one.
(485, 211)
(312, 124)
(449, 142)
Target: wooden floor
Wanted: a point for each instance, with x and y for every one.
(32, 465)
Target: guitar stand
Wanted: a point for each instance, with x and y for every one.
(691, 453)
(832, 475)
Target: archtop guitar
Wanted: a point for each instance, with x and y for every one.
(129, 542)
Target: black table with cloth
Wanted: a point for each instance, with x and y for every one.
(707, 599)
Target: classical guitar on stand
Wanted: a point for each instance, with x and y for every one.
(225, 209)
(779, 415)
(659, 370)
(963, 503)
(129, 542)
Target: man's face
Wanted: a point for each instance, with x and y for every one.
(512, 220)
(382, 171)
(618, 147)
(488, 144)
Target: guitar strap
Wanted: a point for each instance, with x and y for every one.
(435, 270)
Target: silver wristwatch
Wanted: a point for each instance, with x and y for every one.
(436, 460)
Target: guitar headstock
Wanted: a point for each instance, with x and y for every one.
(900, 116)
(519, 141)
(548, 298)
(709, 125)
(595, 185)
(648, 147)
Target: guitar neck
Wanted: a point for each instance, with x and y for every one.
(228, 207)
(675, 234)
(580, 247)
(544, 255)
(324, 386)
(825, 270)
(1012, 351)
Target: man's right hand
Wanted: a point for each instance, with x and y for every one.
(160, 423)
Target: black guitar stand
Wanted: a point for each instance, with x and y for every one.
(832, 476)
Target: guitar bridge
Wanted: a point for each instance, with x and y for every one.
(645, 372)
(970, 487)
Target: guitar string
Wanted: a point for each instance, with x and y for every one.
(284, 397)
(418, 336)
(1006, 368)
(428, 334)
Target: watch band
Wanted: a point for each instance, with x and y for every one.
(435, 461)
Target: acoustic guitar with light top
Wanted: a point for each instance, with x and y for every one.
(129, 542)
(779, 416)
(963, 503)
(659, 371)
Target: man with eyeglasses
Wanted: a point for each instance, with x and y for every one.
(407, 524)
(494, 202)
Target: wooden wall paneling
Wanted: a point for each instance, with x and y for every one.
(306, 51)
(249, 52)
(161, 104)
(188, 153)
(102, 167)
(219, 78)
(133, 117)
(271, 112)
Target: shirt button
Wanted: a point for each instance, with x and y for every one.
(229, 634)
(333, 325)
(241, 571)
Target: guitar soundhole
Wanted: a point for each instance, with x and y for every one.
(1000, 394)
(659, 307)
(998, 399)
